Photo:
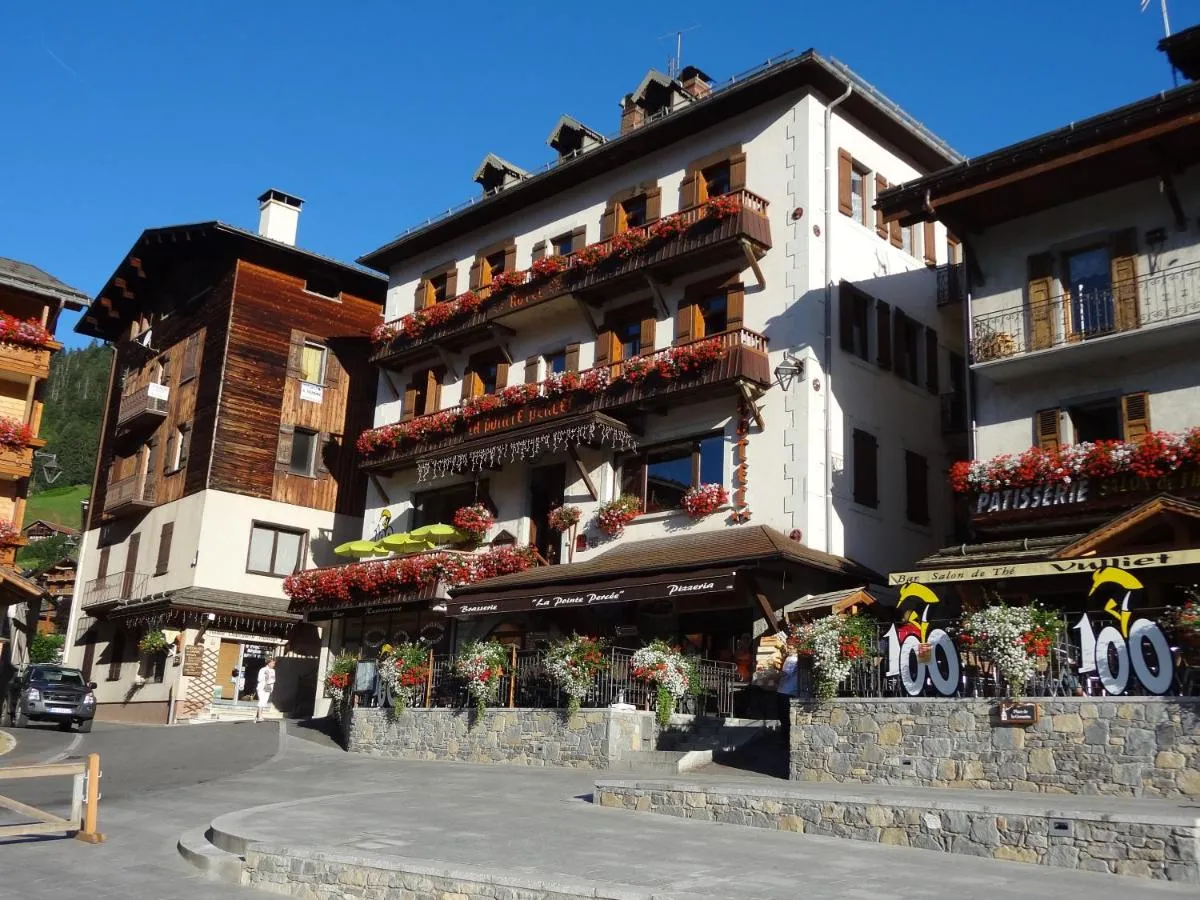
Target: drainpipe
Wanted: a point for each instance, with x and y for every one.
(829, 313)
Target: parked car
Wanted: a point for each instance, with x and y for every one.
(48, 693)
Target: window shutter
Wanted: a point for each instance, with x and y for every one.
(324, 448)
(737, 172)
(452, 282)
(190, 357)
(930, 245)
(573, 357)
(688, 193)
(579, 238)
(846, 298)
(646, 340)
(932, 382)
(531, 369)
(283, 450)
(102, 568)
(169, 456)
(185, 445)
(164, 548)
(608, 222)
(510, 258)
(735, 306)
(866, 477)
(1041, 326)
(653, 203)
(472, 385)
(883, 333)
(1046, 424)
(421, 297)
(683, 322)
(409, 409)
(845, 168)
(881, 227)
(333, 370)
(539, 251)
(475, 279)
(604, 344)
(295, 354)
(501, 375)
(916, 480)
(1124, 278)
(894, 234)
(433, 391)
(1135, 416)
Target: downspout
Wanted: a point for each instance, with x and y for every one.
(829, 314)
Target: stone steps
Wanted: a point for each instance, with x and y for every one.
(196, 847)
(1147, 838)
(674, 762)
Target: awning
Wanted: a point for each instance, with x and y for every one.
(617, 590)
(15, 588)
(1133, 561)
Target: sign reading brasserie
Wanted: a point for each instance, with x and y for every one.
(1084, 493)
(567, 599)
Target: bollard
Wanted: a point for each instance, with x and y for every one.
(429, 682)
(91, 807)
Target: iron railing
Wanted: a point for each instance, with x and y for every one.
(951, 284)
(1073, 317)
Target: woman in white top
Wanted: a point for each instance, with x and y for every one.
(266, 684)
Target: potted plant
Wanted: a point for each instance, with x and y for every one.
(481, 665)
(153, 642)
(613, 516)
(704, 499)
(832, 643)
(14, 434)
(1005, 636)
(573, 664)
(474, 521)
(664, 668)
(339, 678)
(404, 668)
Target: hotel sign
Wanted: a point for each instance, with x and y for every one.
(531, 414)
(601, 594)
(1132, 562)
(1083, 495)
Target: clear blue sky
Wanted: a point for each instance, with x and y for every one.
(126, 115)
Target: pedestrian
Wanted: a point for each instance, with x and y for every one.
(789, 687)
(266, 684)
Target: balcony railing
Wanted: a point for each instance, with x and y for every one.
(130, 495)
(147, 406)
(745, 359)
(114, 587)
(951, 284)
(700, 232)
(16, 462)
(1070, 318)
(19, 362)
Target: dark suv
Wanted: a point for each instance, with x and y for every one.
(47, 693)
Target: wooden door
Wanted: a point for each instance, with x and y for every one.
(228, 660)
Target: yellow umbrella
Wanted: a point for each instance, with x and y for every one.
(404, 543)
(357, 549)
(438, 533)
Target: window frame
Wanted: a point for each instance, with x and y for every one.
(317, 292)
(643, 454)
(301, 555)
(864, 176)
(861, 499)
(566, 239)
(324, 348)
(549, 356)
(311, 470)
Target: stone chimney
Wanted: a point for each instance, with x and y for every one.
(279, 216)
(632, 115)
(695, 83)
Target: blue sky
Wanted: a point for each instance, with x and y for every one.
(126, 115)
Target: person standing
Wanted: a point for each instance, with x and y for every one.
(266, 684)
(789, 688)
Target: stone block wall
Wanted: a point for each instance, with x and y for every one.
(593, 738)
(1121, 746)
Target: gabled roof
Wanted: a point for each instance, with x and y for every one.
(25, 277)
(53, 526)
(570, 123)
(1162, 505)
(655, 79)
(492, 161)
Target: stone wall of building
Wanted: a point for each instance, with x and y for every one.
(1122, 746)
(593, 738)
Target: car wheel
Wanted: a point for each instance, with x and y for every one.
(85, 726)
(20, 720)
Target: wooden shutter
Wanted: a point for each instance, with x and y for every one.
(452, 281)
(1124, 279)
(333, 370)
(653, 203)
(169, 456)
(881, 227)
(1135, 416)
(846, 303)
(501, 375)
(899, 345)
(646, 339)
(283, 450)
(185, 445)
(191, 358)
(433, 390)
(1046, 428)
(865, 468)
(1041, 325)
(930, 246)
(845, 169)
(510, 258)
(735, 306)
(531, 369)
(932, 382)
(688, 192)
(894, 233)
(422, 296)
(916, 482)
(608, 222)
(883, 334)
(131, 562)
(578, 238)
(472, 384)
(164, 548)
(475, 279)
(322, 452)
(102, 567)
(573, 357)
(737, 172)
(684, 320)
(295, 354)
(604, 348)
(539, 251)
(409, 408)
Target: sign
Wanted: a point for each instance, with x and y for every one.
(530, 414)
(193, 661)
(1051, 567)
(157, 391)
(1083, 495)
(1019, 714)
(311, 393)
(574, 598)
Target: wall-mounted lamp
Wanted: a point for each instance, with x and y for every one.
(791, 368)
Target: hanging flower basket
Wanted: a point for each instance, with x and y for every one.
(573, 664)
(340, 674)
(481, 665)
(474, 520)
(704, 500)
(153, 642)
(404, 668)
(665, 669)
(612, 517)
(564, 518)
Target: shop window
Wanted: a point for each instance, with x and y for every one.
(275, 550)
(439, 506)
(659, 476)
(865, 468)
(304, 452)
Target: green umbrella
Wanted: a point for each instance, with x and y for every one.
(357, 549)
(404, 543)
(438, 533)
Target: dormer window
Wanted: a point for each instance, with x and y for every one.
(495, 173)
(571, 137)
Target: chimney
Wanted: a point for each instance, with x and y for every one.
(632, 115)
(279, 216)
(695, 83)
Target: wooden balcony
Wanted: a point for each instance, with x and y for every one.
(130, 496)
(16, 462)
(703, 240)
(144, 408)
(744, 364)
(21, 363)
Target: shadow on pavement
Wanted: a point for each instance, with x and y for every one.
(323, 732)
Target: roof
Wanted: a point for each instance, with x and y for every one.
(25, 277)
(1128, 521)
(16, 588)
(53, 526)
(492, 161)
(199, 599)
(742, 546)
(570, 123)
(807, 72)
(1023, 550)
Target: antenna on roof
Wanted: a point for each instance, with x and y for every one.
(675, 63)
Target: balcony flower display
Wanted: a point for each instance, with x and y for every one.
(704, 499)
(519, 394)
(153, 642)
(628, 242)
(665, 669)
(595, 381)
(573, 664)
(438, 314)
(506, 281)
(833, 643)
(592, 255)
(340, 675)
(613, 516)
(724, 206)
(23, 332)
(474, 520)
(1012, 638)
(414, 324)
(1183, 621)
(10, 535)
(558, 384)
(548, 266)
(404, 668)
(485, 403)
(1157, 454)
(481, 665)
(666, 228)
(564, 518)
(468, 303)
(14, 433)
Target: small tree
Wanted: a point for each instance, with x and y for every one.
(46, 648)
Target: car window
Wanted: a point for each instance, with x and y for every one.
(57, 676)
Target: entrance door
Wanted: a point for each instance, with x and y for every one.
(547, 486)
(228, 660)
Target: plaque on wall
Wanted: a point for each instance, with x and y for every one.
(193, 661)
(1019, 714)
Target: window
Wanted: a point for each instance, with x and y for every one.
(953, 249)
(563, 244)
(660, 476)
(864, 460)
(304, 453)
(632, 212)
(1088, 276)
(556, 362)
(858, 193)
(423, 395)
(908, 240)
(916, 487)
(275, 550)
(714, 312)
(628, 337)
(438, 287)
(716, 179)
(1099, 421)
(908, 349)
(322, 286)
(485, 373)
(493, 265)
(312, 363)
(855, 313)
(178, 446)
(116, 654)
(433, 507)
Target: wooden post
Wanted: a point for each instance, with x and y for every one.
(512, 677)
(91, 808)
(429, 682)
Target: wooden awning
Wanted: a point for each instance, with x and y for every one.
(15, 588)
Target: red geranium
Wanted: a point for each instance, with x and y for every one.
(724, 206)
(592, 255)
(14, 433)
(474, 520)
(667, 228)
(506, 281)
(548, 266)
(628, 242)
(25, 332)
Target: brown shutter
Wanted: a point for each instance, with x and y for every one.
(916, 481)
(846, 303)
(894, 234)
(579, 238)
(653, 203)
(452, 282)
(102, 568)
(899, 345)
(932, 382)
(501, 375)
(295, 354)
(881, 227)
(131, 563)
(510, 258)
(164, 548)
(608, 222)
(683, 322)
(883, 333)
(169, 456)
(1124, 278)
(324, 448)
(475, 279)
(283, 450)
(688, 193)
(572, 357)
(604, 345)
(1046, 426)
(433, 390)
(539, 251)
(531, 369)
(333, 370)
(930, 246)
(1135, 416)
(421, 296)
(737, 172)
(409, 408)
(735, 306)
(845, 168)
(190, 357)
(1041, 325)
(472, 385)
(864, 450)
(646, 339)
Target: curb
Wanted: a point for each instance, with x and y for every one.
(7, 742)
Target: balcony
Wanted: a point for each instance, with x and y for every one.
(130, 496)
(698, 237)
(1147, 313)
(583, 406)
(144, 408)
(17, 462)
(114, 588)
(951, 284)
(22, 363)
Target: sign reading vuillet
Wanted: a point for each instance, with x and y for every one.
(567, 599)
(1084, 493)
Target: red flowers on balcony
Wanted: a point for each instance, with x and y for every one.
(628, 242)
(703, 500)
(14, 434)
(724, 206)
(23, 332)
(548, 266)
(474, 520)
(506, 281)
(10, 535)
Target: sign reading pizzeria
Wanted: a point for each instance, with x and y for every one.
(577, 597)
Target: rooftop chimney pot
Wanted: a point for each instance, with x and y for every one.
(279, 216)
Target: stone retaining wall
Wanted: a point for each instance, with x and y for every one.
(593, 738)
(1135, 747)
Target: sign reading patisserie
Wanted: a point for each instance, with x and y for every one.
(1085, 493)
(573, 597)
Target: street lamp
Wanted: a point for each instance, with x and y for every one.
(51, 470)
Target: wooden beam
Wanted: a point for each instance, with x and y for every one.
(754, 410)
(447, 360)
(656, 290)
(387, 501)
(573, 452)
(764, 604)
(752, 262)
